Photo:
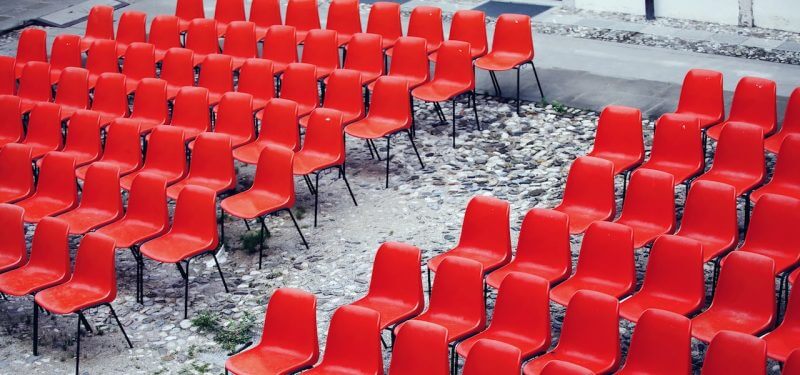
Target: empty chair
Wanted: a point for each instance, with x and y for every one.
(492, 357)
(384, 20)
(56, 189)
(122, 149)
(235, 118)
(150, 106)
(589, 336)
(605, 264)
(754, 103)
(299, 84)
(83, 138)
(785, 175)
(164, 34)
(790, 126)
(674, 279)
(211, 165)
(255, 78)
(792, 365)
(32, 46)
(178, 70)
(303, 16)
(264, 13)
(12, 250)
(131, 28)
(65, 52)
(185, 115)
(543, 249)
(345, 18)
(619, 138)
(99, 26)
(772, 231)
(453, 77)
(289, 339)
(193, 233)
(321, 50)
(240, 42)
(201, 38)
(44, 130)
(677, 147)
(426, 22)
(280, 47)
(785, 339)
(216, 75)
(73, 91)
(521, 317)
(227, 11)
(353, 344)
(364, 55)
(744, 300)
(140, 63)
(34, 85)
(15, 165)
(187, 11)
(709, 217)
(420, 348)
(278, 128)
(649, 206)
(101, 201)
(701, 97)
(512, 47)
(661, 344)
(272, 191)
(344, 94)
(110, 100)
(735, 353)
(395, 288)
(102, 58)
(469, 25)
(166, 157)
(589, 193)
(8, 76)
(564, 368)
(485, 235)
(11, 130)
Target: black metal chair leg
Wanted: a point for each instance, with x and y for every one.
(495, 83)
(429, 280)
(86, 323)
(344, 177)
(413, 119)
(746, 212)
(260, 242)
(475, 110)
(539, 84)
(222, 226)
(454, 122)
(219, 269)
(518, 69)
(185, 276)
(297, 227)
(35, 328)
(316, 198)
(374, 147)
(114, 314)
(414, 145)
(78, 345)
(369, 146)
(388, 146)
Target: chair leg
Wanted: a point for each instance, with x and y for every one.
(78, 345)
(369, 146)
(454, 122)
(185, 276)
(316, 198)
(260, 241)
(495, 83)
(297, 227)
(344, 177)
(413, 119)
(35, 328)
(746, 212)
(388, 147)
(429, 280)
(414, 145)
(374, 147)
(114, 314)
(538, 83)
(86, 323)
(475, 109)
(219, 269)
(222, 226)
(518, 69)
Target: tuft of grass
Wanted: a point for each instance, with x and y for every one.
(250, 241)
(300, 212)
(229, 336)
(558, 107)
(206, 321)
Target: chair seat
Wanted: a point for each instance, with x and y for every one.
(68, 110)
(55, 75)
(457, 328)
(301, 36)
(198, 58)
(592, 363)
(553, 275)
(160, 54)
(632, 308)
(712, 246)
(127, 233)
(741, 183)
(715, 131)
(306, 162)
(439, 90)
(644, 232)
(347, 118)
(528, 346)
(392, 311)
(429, 48)
(147, 124)
(26, 105)
(222, 27)
(214, 97)
(680, 172)
(788, 190)
(37, 208)
(261, 33)
(581, 217)
(82, 220)
(124, 168)
(188, 133)
(490, 261)
(387, 43)
(413, 82)
(773, 143)
(373, 128)
(255, 203)
(9, 195)
(324, 71)
(9, 262)
(782, 341)
(369, 77)
(706, 121)
(170, 176)
(475, 52)
(175, 247)
(250, 152)
(622, 162)
(498, 61)
(215, 185)
(38, 150)
(6, 139)
(26, 280)
(343, 38)
(107, 117)
(783, 261)
(72, 297)
(278, 67)
(268, 360)
(710, 322)
(563, 292)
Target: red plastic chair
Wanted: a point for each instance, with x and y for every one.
(289, 339)
(304, 16)
(188, 11)
(619, 138)
(785, 177)
(492, 357)
(211, 166)
(265, 13)
(227, 11)
(420, 348)
(323, 148)
(709, 217)
(101, 201)
(605, 265)
(216, 74)
(677, 147)
(674, 280)
(193, 233)
(485, 235)
(454, 76)
(101, 58)
(344, 16)
(201, 38)
(735, 353)
(99, 26)
(469, 26)
(122, 148)
(32, 46)
(150, 106)
(15, 164)
(185, 115)
(384, 20)
(56, 189)
(512, 47)
(744, 300)
(564, 368)
(589, 193)
(353, 344)
(543, 249)
(299, 84)
(73, 91)
(772, 231)
(240, 42)
(395, 289)
(791, 123)
(44, 130)
(280, 47)
(343, 93)
(660, 345)
(589, 335)
(34, 86)
(364, 55)
(426, 22)
(279, 128)
(8, 76)
(166, 157)
(702, 98)
(272, 192)
(521, 317)
(785, 339)
(255, 78)
(164, 34)
(140, 63)
(12, 250)
(83, 138)
(754, 103)
(65, 53)
(792, 365)
(177, 69)
(235, 118)
(649, 206)
(321, 49)
(110, 100)
(11, 113)
(131, 28)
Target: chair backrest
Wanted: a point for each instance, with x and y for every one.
(201, 37)
(410, 58)
(255, 78)
(741, 149)
(188, 10)
(196, 215)
(15, 166)
(786, 171)
(150, 101)
(420, 348)
(544, 239)
(280, 44)
(102, 57)
(701, 93)
(299, 83)
(486, 226)
(512, 34)
(746, 285)
(177, 68)
(101, 190)
(235, 115)
(57, 179)
(140, 61)
(212, 158)
(710, 209)
(675, 269)
(110, 95)
(454, 64)
(458, 290)
(94, 265)
(274, 173)
(44, 126)
(8, 75)
(523, 307)
(384, 20)
(735, 353)
(32, 45)
(607, 254)
(354, 341)
(123, 143)
(12, 230)
(344, 16)
(227, 11)
(165, 32)
(291, 322)
(147, 201)
(650, 199)
(66, 51)
(678, 139)
(240, 40)
(50, 247)
(344, 92)
(265, 13)
(325, 134)
(590, 183)
(772, 227)
(185, 113)
(132, 27)
(216, 73)
(492, 357)
(11, 113)
(100, 24)
(388, 101)
(591, 327)
(792, 364)
(303, 15)
(661, 344)
(396, 274)
(426, 22)
(35, 82)
(73, 88)
(557, 367)
(469, 26)
(166, 151)
(619, 131)
(279, 126)
(791, 118)
(364, 53)
(755, 103)
(321, 49)
(83, 136)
